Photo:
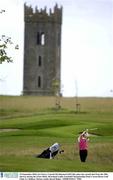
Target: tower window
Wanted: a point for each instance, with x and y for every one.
(39, 81)
(39, 61)
(40, 38)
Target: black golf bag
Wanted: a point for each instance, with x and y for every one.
(47, 154)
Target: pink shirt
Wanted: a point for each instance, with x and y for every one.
(83, 144)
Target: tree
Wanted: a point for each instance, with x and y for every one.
(56, 90)
(76, 98)
(5, 42)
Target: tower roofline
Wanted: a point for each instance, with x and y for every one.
(38, 15)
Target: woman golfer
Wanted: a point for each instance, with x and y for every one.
(83, 145)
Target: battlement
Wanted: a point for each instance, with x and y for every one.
(42, 15)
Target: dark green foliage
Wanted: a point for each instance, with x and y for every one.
(4, 42)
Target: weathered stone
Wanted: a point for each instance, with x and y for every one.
(42, 50)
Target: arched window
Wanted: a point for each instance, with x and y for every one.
(40, 38)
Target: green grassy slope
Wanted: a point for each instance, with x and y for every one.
(37, 132)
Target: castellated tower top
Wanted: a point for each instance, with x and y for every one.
(42, 15)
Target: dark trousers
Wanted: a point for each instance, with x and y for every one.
(83, 155)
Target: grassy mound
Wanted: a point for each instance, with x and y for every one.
(25, 133)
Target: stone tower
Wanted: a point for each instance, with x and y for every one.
(42, 50)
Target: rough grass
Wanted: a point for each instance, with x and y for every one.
(28, 104)
(38, 128)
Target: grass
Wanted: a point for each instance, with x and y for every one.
(39, 125)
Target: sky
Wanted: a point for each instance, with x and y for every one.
(87, 44)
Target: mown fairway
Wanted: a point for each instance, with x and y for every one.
(28, 125)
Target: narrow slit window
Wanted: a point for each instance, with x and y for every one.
(39, 61)
(39, 81)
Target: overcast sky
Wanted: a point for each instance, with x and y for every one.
(87, 44)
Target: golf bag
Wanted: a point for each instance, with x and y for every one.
(50, 152)
(47, 154)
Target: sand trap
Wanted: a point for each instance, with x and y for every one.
(8, 130)
(92, 134)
